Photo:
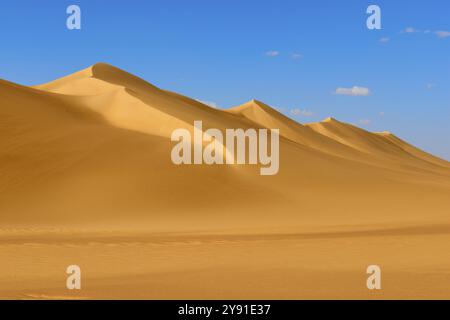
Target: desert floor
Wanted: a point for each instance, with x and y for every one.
(325, 265)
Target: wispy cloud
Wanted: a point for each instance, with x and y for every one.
(301, 112)
(385, 40)
(430, 86)
(296, 56)
(410, 30)
(442, 34)
(272, 53)
(355, 91)
(382, 114)
(364, 122)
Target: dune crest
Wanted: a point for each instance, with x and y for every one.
(384, 144)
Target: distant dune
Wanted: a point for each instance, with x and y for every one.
(87, 156)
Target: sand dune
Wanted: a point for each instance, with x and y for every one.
(385, 145)
(87, 156)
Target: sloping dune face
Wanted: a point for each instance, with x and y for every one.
(384, 145)
(94, 148)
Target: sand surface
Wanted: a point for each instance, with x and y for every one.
(86, 178)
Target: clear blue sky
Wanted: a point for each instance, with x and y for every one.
(290, 54)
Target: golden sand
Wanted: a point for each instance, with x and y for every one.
(86, 178)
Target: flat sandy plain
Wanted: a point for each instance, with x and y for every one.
(86, 179)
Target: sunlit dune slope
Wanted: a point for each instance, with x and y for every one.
(129, 102)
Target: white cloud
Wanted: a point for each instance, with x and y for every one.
(443, 34)
(209, 103)
(364, 122)
(410, 30)
(382, 114)
(440, 33)
(385, 40)
(300, 112)
(430, 86)
(296, 56)
(272, 53)
(355, 91)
